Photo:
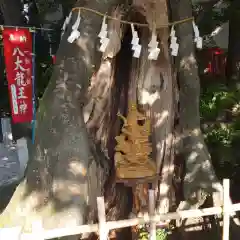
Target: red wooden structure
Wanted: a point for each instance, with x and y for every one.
(214, 60)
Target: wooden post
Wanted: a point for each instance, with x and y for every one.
(103, 231)
(13, 233)
(152, 232)
(226, 209)
(7, 131)
(37, 230)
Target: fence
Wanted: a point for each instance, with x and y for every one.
(104, 227)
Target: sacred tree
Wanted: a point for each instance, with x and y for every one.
(112, 121)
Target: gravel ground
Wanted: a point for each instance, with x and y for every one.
(9, 173)
(9, 164)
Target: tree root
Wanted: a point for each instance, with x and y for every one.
(200, 180)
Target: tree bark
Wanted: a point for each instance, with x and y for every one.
(64, 175)
(158, 83)
(11, 10)
(106, 97)
(51, 13)
(200, 179)
(233, 58)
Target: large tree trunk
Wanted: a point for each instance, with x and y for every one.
(107, 95)
(51, 13)
(63, 176)
(233, 58)
(158, 84)
(11, 10)
(200, 179)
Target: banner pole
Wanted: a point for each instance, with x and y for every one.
(33, 87)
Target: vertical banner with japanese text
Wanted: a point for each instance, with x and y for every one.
(18, 58)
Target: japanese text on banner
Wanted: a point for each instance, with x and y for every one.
(18, 59)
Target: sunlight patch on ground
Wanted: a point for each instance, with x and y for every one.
(82, 43)
(149, 98)
(164, 189)
(161, 117)
(167, 169)
(187, 62)
(193, 156)
(77, 168)
(200, 146)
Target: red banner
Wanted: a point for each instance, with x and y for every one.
(18, 58)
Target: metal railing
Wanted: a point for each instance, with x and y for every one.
(103, 227)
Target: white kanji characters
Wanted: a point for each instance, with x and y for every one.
(22, 38)
(21, 93)
(28, 81)
(12, 37)
(28, 71)
(17, 50)
(14, 99)
(27, 61)
(23, 107)
(18, 63)
(20, 79)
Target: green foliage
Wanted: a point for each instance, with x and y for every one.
(220, 135)
(161, 234)
(220, 116)
(216, 100)
(211, 17)
(144, 234)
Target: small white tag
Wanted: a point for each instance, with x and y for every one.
(77, 23)
(137, 51)
(195, 29)
(156, 53)
(196, 33)
(175, 50)
(153, 55)
(150, 55)
(135, 41)
(135, 34)
(134, 47)
(199, 43)
(173, 39)
(74, 35)
(64, 25)
(104, 27)
(67, 21)
(102, 34)
(105, 42)
(132, 27)
(172, 34)
(194, 25)
(173, 43)
(153, 43)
